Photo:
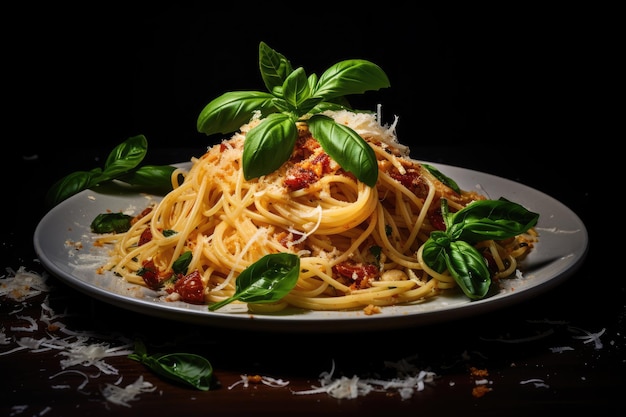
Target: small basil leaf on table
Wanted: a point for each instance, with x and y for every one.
(186, 368)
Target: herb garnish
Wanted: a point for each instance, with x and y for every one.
(292, 98)
(481, 220)
(186, 368)
(111, 223)
(122, 164)
(266, 281)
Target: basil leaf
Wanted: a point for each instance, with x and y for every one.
(111, 223)
(376, 251)
(186, 368)
(491, 219)
(353, 76)
(435, 251)
(121, 164)
(266, 281)
(181, 264)
(274, 67)
(151, 177)
(296, 96)
(268, 145)
(469, 269)
(72, 184)
(481, 220)
(228, 112)
(296, 89)
(447, 181)
(124, 157)
(346, 147)
(327, 105)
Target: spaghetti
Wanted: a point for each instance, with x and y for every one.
(359, 246)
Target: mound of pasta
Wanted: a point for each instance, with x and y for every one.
(359, 247)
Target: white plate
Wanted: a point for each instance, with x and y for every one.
(63, 243)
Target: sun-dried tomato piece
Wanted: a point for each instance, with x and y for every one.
(190, 288)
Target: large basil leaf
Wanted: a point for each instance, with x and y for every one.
(481, 220)
(125, 157)
(469, 269)
(72, 184)
(296, 88)
(274, 67)
(353, 76)
(435, 250)
(491, 219)
(268, 145)
(151, 177)
(346, 147)
(228, 112)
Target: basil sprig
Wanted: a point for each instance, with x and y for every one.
(121, 164)
(292, 97)
(266, 281)
(186, 368)
(453, 248)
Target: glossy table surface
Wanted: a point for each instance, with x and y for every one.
(562, 350)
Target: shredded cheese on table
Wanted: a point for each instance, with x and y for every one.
(349, 388)
(22, 284)
(123, 395)
(78, 349)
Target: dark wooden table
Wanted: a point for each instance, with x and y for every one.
(548, 369)
(508, 92)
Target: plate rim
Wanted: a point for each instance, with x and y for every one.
(349, 320)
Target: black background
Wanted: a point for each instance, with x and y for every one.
(525, 93)
(510, 77)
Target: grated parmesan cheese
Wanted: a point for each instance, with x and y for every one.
(80, 353)
(588, 337)
(75, 349)
(539, 383)
(22, 284)
(122, 396)
(33, 325)
(406, 384)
